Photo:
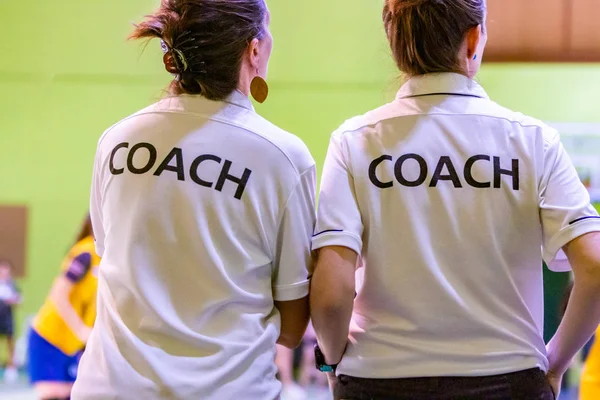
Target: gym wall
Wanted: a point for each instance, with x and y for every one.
(67, 73)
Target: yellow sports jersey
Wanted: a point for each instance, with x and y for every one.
(590, 379)
(80, 267)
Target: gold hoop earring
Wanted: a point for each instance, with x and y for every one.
(259, 89)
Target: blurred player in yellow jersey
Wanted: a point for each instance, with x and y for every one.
(590, 379)
(63, 324)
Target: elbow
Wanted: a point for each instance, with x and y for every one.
(588, 274)
(59, 299)
(59, 303)
(329, 308)
(290, 341)
(589, 279)
(327, 311)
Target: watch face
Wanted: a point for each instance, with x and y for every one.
(319, 358)
(325, 368)
(320, 361)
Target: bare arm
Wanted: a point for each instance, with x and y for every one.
(59, 295)
(16, 299)
(332, 299)
(582, 315)
(294, 320)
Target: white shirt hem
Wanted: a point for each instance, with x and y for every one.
(427, 371)
(291, 292)
(568, 234)
(344, 239)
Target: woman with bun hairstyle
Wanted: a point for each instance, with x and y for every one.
(448, 198)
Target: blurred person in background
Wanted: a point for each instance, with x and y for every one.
(203, 213)
(285, 365)
(9, 298)
(62, 326)
(309, 376)
(448, 197)
(589, 385)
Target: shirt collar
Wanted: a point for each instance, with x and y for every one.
(195, 102)
(441, 84)
(239, 99)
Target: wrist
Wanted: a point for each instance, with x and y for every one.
(333, 360)
(322, 363)
(555, 366)
(557, 369)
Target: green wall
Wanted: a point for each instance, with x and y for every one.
(67, 73)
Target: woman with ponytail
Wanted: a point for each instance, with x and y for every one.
(203, 212)
(448, 200)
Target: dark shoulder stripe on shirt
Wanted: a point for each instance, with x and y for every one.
(79, 267)
(582, 219)
(444, 94)
(328, 231)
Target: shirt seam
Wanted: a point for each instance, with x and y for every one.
(212, 118)
(345, 152)
(523, 125)
(554, 162)
(191, 97)
(284, 208)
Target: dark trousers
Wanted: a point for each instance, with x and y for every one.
(525, 385)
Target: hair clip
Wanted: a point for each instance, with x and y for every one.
(182, 59)
(186, 41)
(164, 46)
(185, 33)
(170, 64)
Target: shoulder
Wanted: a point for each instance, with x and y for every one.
(80, 260)
(82, 252)
(289, 147)
(527, 123)
(127, 122)
(85, 245)
(366, 122)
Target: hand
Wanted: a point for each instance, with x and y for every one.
(556, 382)
(332, 379)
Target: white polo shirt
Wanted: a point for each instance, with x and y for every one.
(448, 198)
(203, 213)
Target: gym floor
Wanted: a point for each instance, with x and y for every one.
(21, 391)
(17, 391)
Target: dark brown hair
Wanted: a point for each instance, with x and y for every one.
(204, 41)
(85, 230)
(426, 35)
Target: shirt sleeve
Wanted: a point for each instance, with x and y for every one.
(565, 209)
(339, 221)
(560, 263)
(293, 260)
(79, 267)
(96, 207)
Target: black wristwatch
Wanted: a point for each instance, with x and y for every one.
(320, 361)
